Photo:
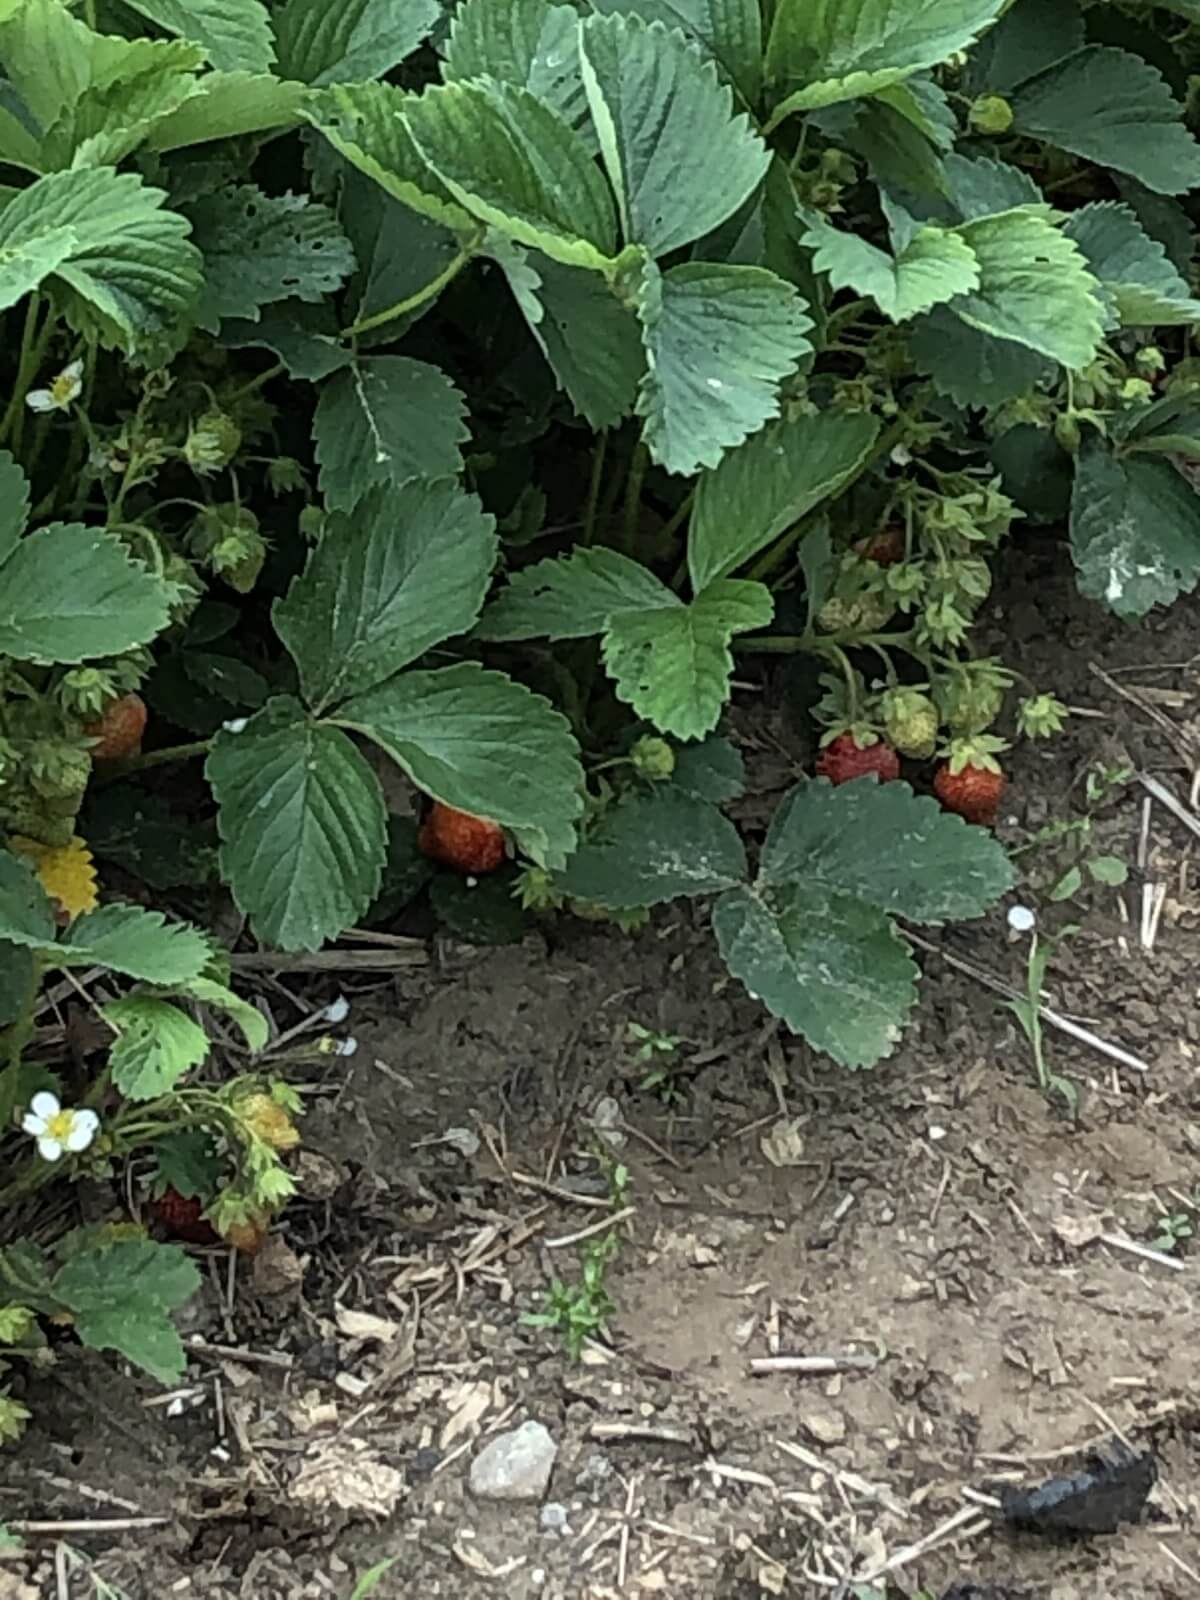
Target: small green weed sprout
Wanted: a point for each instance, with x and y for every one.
(658, 1052)
(581, 1311)
(1028, 1011)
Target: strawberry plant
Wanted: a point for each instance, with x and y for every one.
(458, 390)
(113, 1284)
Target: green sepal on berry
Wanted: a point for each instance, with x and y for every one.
(979, 751)
(1041, 716)
(534, 888)
(85, 691)
(213, 441)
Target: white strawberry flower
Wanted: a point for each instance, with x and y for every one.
(59, 1129)
(63, 390)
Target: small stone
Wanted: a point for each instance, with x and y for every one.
(911, 1288)
(515, 1465)
(555, 1518)
(824, 1426)
(595, 1471)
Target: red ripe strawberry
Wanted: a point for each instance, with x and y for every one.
(119, 729)
(843, 759)
(973, 792)
(885, 547)
(457, 839)
(181, 1216)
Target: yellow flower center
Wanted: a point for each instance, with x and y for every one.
(59, 1125)
(64, 388)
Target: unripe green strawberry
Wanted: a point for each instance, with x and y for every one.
(970, 705)
(239, 559)
(58, 770)
(212, 442)
(25, 816)
(911, 722)
(991, 114)
(866, 613)
(1067, 432)
(653, 758)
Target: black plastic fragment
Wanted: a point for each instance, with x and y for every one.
(1111, 1490)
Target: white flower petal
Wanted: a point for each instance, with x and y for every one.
(1021, 919)
(50, 1148)
(83, 1131)
(337, 1010)
(41, 400)
(346, 1047)
(34, 1125)
(45, 1105)
(73, 370)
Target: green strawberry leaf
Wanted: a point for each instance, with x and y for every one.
(302, 823)
(261, 248)
(833, 968)
(711, 770)
(517, 165)
(590, 338)
(111, 604)
(1028, 38)
(571, 597)
(660, 111)
(121, 1297)
(140, 944)
(385, 421)
(1135, 531)
(408, 570)
(1113, 108)
(366, 126)
(820, 51)
(531, 44)
(16, 980)
(719, 341)
(935, 266)
(1145, 287)
(25, 263)
(130, 273)
(235, 33)
(156, 1045)
(655, 847)
(350, 41)
(188, 1162)
(305, 339)
(481, 743)
(1055, 311)
(229, 105)
(26, 911)
(980, 187)
(252, 1023)
(971, 367)
(729, 30)
(14, 504)
(770, 483)
(673, 664)
(882, 844)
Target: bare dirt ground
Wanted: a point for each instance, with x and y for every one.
(929, 1220)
